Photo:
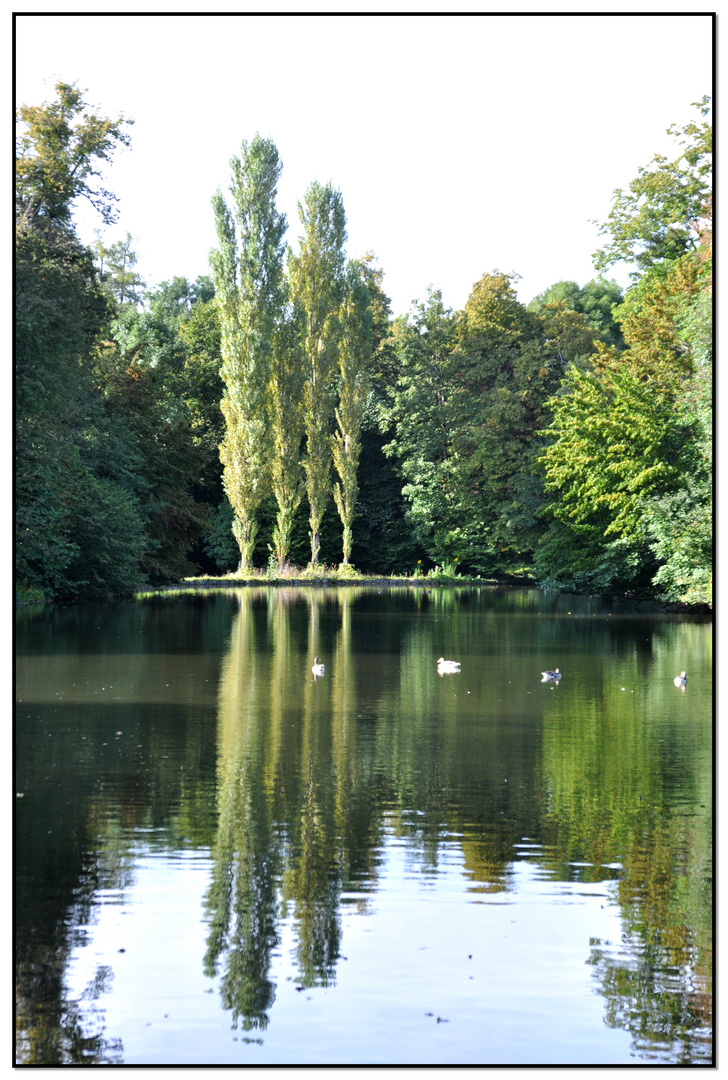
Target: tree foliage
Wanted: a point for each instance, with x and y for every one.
(116, 270)
(418, 416)
(618, 442)
(598, 301)
(247, 269)
(470, 396)
(629, 458)
(59, 150)
(355, 356)
(659, 217)
(78, 523)
(317, 285)
(186, 426)
(285, 403)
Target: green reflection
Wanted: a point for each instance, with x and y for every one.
(626, 779)
(298, 786)
(241, 902)
(381, 745)
(110, 741)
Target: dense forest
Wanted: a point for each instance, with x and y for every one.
(277, 414)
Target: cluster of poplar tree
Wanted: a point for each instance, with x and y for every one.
(198, 427)
(297, 340)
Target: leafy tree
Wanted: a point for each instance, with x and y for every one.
(380, 307)
(78, 518)
(509, 361)
(629, 457)
(317, 283)
(383, 541)
(59, 150)
(288, 376)
(565, 335)
(469, 399)
(148, 390)
(681, 527)
(649, 318)
(78, 525)
(174, 301)
(355, 353)
(681, 524)
(419, 417)
(630, 450)
(616, 444)
(597, 301)
(116, 269)
(660, 216)
(249, 286)
(201, 387)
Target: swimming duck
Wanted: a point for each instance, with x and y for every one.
(318, 668)
(550, 676)
(447, 667)
(681, 679)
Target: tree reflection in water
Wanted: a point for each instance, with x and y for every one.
(302, 785)
(242, 900)
(306, 790)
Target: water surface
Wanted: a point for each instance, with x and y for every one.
(220, 860)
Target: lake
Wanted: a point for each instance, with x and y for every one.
(222, 860)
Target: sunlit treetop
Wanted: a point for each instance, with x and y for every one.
(60, 149)
(661, 216)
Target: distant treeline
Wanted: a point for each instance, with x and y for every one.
(277, 413)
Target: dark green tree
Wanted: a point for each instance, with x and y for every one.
(418, 417)
(79, 529)
(78, 526)
(508, 363)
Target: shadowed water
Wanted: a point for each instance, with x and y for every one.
(223, 860)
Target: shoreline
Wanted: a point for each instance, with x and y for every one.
(423, 583)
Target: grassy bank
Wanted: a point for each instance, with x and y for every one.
(332, 575)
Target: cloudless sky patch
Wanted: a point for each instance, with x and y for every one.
(461, 144)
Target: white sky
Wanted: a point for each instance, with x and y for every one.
(461, 144)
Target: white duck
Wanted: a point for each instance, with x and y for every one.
(550, 676)
(447, 667)
(681, 679)
(318, 668)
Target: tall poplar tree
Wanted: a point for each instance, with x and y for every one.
(286, 425)
(317, 279)
(355, 355)
(247, 269)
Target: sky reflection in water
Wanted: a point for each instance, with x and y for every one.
(380, 866)
(429, 973)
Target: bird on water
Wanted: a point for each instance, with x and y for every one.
(550, 676)
(681, 679)
(447, 667)
(318, 668)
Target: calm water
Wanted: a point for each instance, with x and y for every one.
(220, 860)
